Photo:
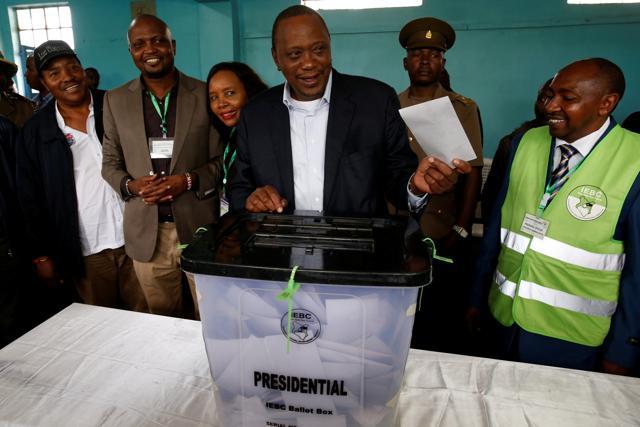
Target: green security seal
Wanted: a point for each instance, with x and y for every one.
(586, 202)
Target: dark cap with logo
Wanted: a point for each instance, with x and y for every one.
(7, 66)
(49, 50)
(427, 32)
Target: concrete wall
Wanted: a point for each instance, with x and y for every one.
(504, 49)
(100, 35)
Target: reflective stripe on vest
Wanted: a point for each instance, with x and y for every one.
(554, 298)
(562, 252)
(506, 287)
(514, 241)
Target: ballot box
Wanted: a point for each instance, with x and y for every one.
(307, 320)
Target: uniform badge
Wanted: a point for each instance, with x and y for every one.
(586, 202)
(428, 35)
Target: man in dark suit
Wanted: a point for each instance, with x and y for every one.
(325, 141)
(73, 217)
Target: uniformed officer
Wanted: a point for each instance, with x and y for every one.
(447, 217)
(15, 107)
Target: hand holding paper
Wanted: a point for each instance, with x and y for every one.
(439, 133)
(438, 130)
(433, 176)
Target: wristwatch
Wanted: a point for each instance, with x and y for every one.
(460, 230)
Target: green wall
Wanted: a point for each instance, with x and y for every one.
(504, 50)
(100, 35)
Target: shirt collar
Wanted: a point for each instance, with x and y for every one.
(61, 124)
(325, 99)
(585, 144)
(173, 88)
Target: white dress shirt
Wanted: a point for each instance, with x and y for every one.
(100, 209)
(308, 126)
(584, 146)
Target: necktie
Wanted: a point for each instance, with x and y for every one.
(561, 172)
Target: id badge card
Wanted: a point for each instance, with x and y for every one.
(224, 206)
(534, 225)
(160, 148)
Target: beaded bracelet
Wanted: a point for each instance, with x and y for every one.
(189, 180)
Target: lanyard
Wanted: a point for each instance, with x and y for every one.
(224, 158)
(550, 189)
(163, 115)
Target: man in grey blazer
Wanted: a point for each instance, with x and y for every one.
(164, 157)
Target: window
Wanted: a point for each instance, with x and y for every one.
(359, 4)
(36, 25)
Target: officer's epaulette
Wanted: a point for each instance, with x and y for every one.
(15, 98)
(463, 99)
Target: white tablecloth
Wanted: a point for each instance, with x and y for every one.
(92, 366)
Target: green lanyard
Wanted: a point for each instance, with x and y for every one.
(549, 189)
(224, 158)
(163, 116)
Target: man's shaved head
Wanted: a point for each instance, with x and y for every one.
(607, 75)
(148, 18)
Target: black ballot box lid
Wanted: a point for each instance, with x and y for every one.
(327, 250)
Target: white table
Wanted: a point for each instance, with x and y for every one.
(90, 366)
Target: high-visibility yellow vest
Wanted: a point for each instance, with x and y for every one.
(564, 285)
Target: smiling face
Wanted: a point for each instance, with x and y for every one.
(64, 76)
(151, 47)
(302, 51)
(227, 96)
(424, 65)
(577, 103)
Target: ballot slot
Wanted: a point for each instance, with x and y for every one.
(326, 236)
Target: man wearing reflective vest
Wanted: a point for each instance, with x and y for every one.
(562, 255)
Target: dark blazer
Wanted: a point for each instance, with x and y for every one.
(47, 189)
(366, 157)
(10, 214)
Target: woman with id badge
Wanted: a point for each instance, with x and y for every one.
(231, 85)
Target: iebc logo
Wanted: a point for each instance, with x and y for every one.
(305, 326)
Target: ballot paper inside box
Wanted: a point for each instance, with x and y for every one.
(333, 354)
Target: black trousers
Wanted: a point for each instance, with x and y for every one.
(440, 324)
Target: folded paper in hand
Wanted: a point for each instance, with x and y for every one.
(437, 129)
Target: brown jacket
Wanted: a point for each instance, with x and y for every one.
(16, 108)
(441, 211)
(197, 148)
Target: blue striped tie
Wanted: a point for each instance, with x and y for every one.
(560, 173)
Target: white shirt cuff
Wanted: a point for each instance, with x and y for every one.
(416, 203)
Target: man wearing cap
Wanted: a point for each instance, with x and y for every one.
(325, 141)
(73, 218)
(447, 217)
(163, 156)
(43, 96)
(15, 107)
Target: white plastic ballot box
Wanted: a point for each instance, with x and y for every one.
(326, 348)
